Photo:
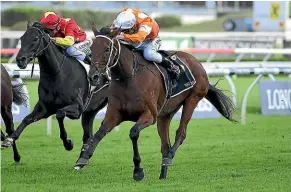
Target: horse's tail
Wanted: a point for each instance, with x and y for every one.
(19, 97)
(221, 102)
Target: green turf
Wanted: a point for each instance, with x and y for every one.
(216, 156)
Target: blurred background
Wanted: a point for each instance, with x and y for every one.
(196, 24)
(245, 44)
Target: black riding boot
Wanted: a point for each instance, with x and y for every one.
(87, 60)
(172, 68)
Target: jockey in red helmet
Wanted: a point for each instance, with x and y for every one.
(66, 33)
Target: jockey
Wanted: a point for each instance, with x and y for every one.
(66, 33)
(142, 32)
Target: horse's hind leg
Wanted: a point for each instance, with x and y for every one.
(163, 129)
(68, 144)
(188, 108)
(38, 113)
(8, 120)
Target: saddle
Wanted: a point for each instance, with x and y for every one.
(186, 79)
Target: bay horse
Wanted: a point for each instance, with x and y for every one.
(137, 93)
(63, 85)
(10, 93)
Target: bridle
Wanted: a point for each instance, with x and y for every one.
(42, 37)
(112, 47)
(49, 41)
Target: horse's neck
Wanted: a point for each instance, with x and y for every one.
(50, 61)
(123, 69)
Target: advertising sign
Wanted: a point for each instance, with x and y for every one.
(233, 43)
(269, 15)
(204, 110)
(275, 97)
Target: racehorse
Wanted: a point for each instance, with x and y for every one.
(63, 85)
(10, 93)
(137, 93)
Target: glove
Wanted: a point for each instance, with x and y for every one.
(119, 37)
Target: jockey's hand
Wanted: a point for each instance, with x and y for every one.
(119, 37)
(53, 39)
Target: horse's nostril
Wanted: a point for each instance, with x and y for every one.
(95, 77)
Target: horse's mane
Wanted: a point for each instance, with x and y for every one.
(106, 31)
(38, 25)
(42, 27)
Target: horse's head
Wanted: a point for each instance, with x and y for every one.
(105, 52)
(33, 42)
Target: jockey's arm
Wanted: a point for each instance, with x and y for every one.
(143, 31)
(69, 39)
(66, 42)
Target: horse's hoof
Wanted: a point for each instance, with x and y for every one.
(17, 159)
(167, 162)
(69, 145)
(8, 142)
(82, 162)
(138, 175)
(77, 167)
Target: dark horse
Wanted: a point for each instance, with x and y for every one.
(63, 86)
(10, 93)
(137, 93)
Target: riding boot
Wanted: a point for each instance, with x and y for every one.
(87, 60)
(172, 68)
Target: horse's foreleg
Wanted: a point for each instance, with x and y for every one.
(144, 121)
(87, 124)
(188, 108)
(3, 137)
(72, 111)
(89, 116)
(112, 119)
(39, 112)
(8, 120)
(68, 144)
(163, 130)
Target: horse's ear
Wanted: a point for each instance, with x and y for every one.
(29, 24)
(114, 32)
(94, 29)
(105, 31)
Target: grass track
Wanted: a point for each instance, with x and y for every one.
(216, 156)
